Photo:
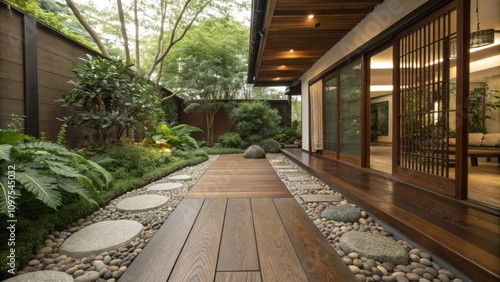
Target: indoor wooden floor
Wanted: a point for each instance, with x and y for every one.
(239, 222)
(484, 179)
(464, 235)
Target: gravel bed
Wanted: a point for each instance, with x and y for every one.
(421, 266)
(110, 266)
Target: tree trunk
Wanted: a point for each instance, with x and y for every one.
(87, 27)
(124, 30)
(137, 56)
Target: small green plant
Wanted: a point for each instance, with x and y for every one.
(61, 135)
(17, 123)
(178, 136)
(482, 100)
(289, 135)
(46, 170)
(255, 120)
(229, 140)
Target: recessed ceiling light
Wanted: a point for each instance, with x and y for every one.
(283, 66)
(310, 16)
(291, 50)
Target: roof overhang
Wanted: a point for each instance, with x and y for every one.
(288, 36)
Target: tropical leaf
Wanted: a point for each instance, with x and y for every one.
(5, 152)
(12, 137)
(74, 186)
(105, 174)
(42, 186)
(62, 169)
(3, 197)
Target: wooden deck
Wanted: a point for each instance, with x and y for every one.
(462, 234)
(238, 223)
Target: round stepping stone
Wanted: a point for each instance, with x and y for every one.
(374, 246)
(180, 177)
(165, 186)
(101, 237)
(42, 276)
(141, 203)
(342, 213)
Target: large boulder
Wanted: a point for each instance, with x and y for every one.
(254, 152)
(342, 213)
(270, 146)
(374, 246)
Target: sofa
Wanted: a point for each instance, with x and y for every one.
(481, 145)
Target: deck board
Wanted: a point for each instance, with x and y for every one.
(238, 251)
(233, 176)
(238, 276)
(165, 246)
(314, 251)
(274, 246)
(198, 259)
(464, 235)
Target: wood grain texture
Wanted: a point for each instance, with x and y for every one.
(278, 260)
(233, 176)
(319, 259)
(158, 258)
(198, 259)
(253, 276)
(462, 234)
(238, 250)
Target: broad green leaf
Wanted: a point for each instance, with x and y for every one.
(42, 186)
(3, 197)
(5, 152)
(74, 186)
(105, 174)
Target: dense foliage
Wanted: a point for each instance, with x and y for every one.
(177, 136)
(256, 120)
(229, 140)
(290, 134)
(45, 170)
(482, 100)
(110, 99)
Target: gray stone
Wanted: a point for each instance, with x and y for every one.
(101, 237)
(321, 198)
(283, 167)
(42, 276)
(165, 186)
(270, 146)
(374, 246)
(287, 170)
(182, 177)
(309, 186)
(298, 178)
(254, 152)
(342, 213)
(141, 203)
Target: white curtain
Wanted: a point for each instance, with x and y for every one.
(316, 98)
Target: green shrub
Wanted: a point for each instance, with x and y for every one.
(254, 119)
(229, 140)
(289, 135)
(109, 98)
(222, 151)
(165, 136)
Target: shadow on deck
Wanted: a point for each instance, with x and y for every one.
(465, 236)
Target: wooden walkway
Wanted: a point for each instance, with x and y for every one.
(238, 223)
(464, 235)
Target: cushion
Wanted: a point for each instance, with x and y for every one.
(452, 141)
(491, 140)
(475, 139)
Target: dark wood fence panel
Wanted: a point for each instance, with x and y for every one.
(55, 56)
(11, 66)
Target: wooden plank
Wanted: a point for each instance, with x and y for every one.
(238, 251)
(158, 258)
(253, 276)
(278, 260)
(198, 259)
(243, 194)
(319, 259)
(11, 23)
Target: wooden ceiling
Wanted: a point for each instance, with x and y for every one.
(286, 25)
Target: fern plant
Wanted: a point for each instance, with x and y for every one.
(45, 170)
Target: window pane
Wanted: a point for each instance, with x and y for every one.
(331, 115)
(350, 109)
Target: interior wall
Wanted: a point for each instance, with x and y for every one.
(388, 98)
(382, 17)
